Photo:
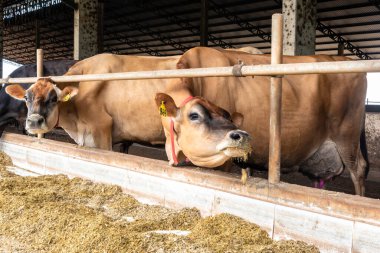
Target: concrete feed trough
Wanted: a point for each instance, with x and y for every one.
(334, 222)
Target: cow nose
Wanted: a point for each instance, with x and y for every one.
(235, 136)
(35, 120)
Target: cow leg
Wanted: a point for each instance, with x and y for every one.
(354, 161)
(348, 137)
(358, 174)
(103, 136)
(2, 128)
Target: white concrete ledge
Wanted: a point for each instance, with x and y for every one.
(335, 222)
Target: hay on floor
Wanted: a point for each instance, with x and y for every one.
(57, 214)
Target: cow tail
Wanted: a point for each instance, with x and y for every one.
(363, 150)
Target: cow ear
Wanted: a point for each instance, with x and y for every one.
(15, 91)
(166, 105)
(237, 119)
(67, 93)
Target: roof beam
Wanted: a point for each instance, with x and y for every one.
(71, 4)
(341, 17)
(149, 32)
(184, 24)
(345, 25)
(354, 33)
(335, 48)
(344, 7)
(376, 3)
(124, 38)
(238, 21)
(338, 38)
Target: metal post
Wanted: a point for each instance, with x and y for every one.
(40, 70)
(275, 103)
(341, 49)
(1, 38)
(204, 23)
(37, 34)
(100, 26)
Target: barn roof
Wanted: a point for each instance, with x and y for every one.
(169, 27)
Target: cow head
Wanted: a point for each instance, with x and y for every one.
(42, 99)
(205, 133)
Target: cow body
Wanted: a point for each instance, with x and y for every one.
(106, 112)
(12, 110)
(315, 108)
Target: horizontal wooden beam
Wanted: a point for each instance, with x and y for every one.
(248, 70)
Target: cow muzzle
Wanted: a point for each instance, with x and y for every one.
(236, 143)
(36, 124)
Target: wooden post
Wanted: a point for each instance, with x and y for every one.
(204, 23)
(275, 103)
(40, 70)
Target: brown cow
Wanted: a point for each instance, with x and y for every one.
(98, 114)
(319, 112)
(197, 115)
(247, 49)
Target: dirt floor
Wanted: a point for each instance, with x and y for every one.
(57, 214)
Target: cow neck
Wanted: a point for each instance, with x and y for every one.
(172, 132)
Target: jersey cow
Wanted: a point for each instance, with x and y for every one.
(98, 114)
(322, 114)
(12, 110)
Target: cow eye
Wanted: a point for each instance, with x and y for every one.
(194, 116)
(26, 98)
(54, 100)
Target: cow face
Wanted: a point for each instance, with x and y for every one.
(42, 99)
(205, 133)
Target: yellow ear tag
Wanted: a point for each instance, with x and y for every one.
(66, 98)
(163, 111)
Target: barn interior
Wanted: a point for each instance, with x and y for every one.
(68, 29)
(170, 27)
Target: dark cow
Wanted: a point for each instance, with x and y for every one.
(13, 110)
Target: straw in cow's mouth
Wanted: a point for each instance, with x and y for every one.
(241, 154)
(37, 130)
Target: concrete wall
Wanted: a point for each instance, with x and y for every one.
(372, 126)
